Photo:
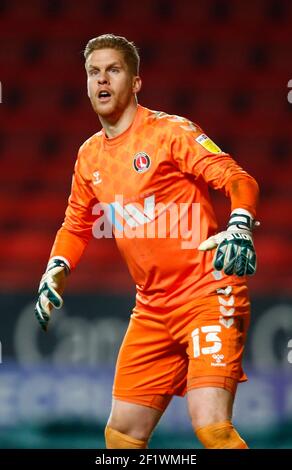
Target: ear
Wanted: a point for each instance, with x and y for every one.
(137, 84)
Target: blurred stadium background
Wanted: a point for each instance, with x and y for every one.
(223, 64)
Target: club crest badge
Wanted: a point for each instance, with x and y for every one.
(141, 162)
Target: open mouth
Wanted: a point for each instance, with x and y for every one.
(104, 95)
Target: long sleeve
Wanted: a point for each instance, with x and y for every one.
(196, 154)
(76, 230)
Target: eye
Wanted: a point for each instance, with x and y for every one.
(115, 69)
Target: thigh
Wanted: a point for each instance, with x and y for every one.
(149, 364)
(217, 334)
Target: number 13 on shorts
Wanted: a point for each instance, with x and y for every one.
(211, 336)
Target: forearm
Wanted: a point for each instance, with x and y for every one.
(70, 245)
(223, 173)
(243, 191)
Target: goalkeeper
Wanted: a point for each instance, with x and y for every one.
(188, 328)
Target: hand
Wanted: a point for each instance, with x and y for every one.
(235, 253)
(51, 288)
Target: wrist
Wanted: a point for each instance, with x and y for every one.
(240, 219)
(59, 261)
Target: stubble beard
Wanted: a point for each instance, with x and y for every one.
(111, 112)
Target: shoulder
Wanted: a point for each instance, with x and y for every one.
(172, 123)
(91, 144)
(87, 153)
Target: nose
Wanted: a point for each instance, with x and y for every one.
(102, 78)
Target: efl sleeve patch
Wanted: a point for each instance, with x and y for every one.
(208, 144)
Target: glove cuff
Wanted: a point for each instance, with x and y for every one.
(57, 261)
(240, 219)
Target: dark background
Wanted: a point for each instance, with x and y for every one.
(223, 64)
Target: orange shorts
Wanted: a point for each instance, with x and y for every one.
(198, 345)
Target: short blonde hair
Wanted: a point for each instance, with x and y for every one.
(110, 41)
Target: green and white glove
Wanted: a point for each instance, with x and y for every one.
(235, 253)
(50, 290)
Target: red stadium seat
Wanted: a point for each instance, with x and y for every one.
(226, 67)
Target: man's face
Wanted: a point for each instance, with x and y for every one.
(110, 84)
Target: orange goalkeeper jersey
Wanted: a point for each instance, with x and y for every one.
(149, 186)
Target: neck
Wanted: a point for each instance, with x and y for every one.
(115, 126)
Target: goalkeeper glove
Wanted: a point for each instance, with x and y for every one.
(50, 290)
(235, 252)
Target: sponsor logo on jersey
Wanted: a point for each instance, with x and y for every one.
(208, 144)
(141, 162)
